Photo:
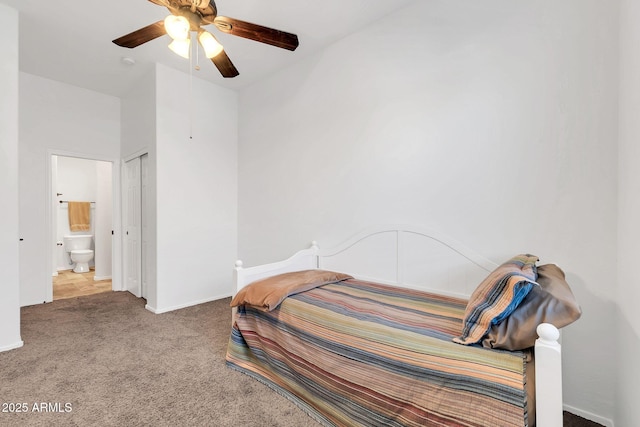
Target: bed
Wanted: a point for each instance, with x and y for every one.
(372, 332)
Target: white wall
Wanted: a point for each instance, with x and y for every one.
(494, 122)
(77, 179)
(196, 161)
(55, 117)
(9, 246)
(628, 328)
(192, 186)
(138, 118)
(138, 124)
(103, 209)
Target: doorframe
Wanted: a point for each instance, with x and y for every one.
(116, 243)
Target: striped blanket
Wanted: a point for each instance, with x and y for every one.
(357, 353)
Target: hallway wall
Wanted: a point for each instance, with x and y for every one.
(54, 117)
(9, 243)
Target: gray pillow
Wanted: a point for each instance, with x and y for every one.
(551, 302)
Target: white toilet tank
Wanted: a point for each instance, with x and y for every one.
(77, 241)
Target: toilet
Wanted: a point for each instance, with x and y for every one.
(79, 249)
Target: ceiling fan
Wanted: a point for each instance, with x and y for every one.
(192, 15)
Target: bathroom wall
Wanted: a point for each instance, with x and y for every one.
(79, 180)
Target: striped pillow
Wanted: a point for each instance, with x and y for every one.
(497, 297)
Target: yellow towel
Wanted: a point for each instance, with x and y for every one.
(79, 216)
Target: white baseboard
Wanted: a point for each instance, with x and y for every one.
(12, 346)
(589, 416)
(151, 309)
(101, 277)
(190, 304)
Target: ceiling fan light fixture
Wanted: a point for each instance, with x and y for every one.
(177, 27)
(181, 47)
(211, 46)
(190, 16)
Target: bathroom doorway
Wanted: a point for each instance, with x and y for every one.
(77, 179)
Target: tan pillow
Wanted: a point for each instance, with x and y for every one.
(270, 292)
(551, 302)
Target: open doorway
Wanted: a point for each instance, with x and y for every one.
(82, 257)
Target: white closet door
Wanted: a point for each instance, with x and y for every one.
(132, 230)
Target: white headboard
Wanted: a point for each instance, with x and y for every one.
(404, 256)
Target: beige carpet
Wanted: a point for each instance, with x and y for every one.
(103, 360)
(117, 364)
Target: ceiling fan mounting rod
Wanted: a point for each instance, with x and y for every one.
(194, 18)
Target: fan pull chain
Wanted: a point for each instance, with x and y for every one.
(191, 94)
(197, 67)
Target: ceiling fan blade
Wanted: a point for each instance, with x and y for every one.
(256, 32)
(142, 35)
(224, 65)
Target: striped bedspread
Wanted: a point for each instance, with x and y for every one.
(362, 354)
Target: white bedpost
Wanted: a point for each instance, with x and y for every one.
(236, 274)
(548, 377)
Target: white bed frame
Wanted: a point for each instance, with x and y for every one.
(412, 257)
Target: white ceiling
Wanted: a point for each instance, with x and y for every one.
(70, 40)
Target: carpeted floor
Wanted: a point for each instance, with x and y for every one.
(104, 360)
